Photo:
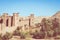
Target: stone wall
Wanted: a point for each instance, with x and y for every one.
(8, 23)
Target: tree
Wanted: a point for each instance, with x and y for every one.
(56, 26)
(7, 36)
(17, 32)
(47, 27)
(38, 34)
(44, 26)
(0, 36)
(25, 34)
(55, 23)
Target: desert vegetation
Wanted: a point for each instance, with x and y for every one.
(48, 28)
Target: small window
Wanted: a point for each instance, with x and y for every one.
(1, 21)
(19, 20)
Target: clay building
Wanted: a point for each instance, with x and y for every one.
(10, 23)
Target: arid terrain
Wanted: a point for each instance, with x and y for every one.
(30, 28)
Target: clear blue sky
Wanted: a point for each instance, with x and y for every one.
(26, 7)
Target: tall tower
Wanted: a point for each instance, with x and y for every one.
(5, 18)
(15, 19)
(31, 18)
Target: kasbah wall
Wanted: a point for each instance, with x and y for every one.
(10, 23)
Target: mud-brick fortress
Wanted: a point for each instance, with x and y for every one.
(10, 23)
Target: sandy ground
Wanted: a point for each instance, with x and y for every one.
(32, 39)
(37, 39)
